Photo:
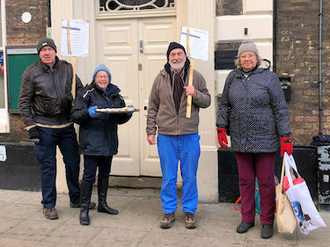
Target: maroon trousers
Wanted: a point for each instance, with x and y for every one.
(250, 166)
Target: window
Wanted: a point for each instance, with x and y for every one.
(134, 5)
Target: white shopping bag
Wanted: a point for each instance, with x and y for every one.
(308, 218)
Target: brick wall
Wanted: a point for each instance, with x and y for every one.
(19, 33)
(297, 40)
(297, 54)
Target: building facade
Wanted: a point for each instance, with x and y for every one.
(131, 38)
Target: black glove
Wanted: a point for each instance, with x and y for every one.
(34, 135)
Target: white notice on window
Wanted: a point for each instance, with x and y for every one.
(75, 38)
(196, 42)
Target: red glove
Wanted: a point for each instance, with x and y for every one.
(286, 145)
(222, 137)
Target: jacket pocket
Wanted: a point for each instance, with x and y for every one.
(45, 106)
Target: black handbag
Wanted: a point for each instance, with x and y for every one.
(321, 140)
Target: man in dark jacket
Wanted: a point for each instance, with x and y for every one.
(45, 103)
(98, 136)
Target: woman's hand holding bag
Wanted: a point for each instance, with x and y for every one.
(286, 145)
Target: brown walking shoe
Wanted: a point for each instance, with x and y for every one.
(167, 221)
(50, 213)
(190, 221)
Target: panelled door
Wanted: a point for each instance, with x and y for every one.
(135, 51)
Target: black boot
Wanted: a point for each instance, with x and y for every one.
(86, 193)
(102, 188)
(266, 231)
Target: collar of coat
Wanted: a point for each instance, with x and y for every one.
(239, 73)
(46, 67)
(111, 89)
(167, 68)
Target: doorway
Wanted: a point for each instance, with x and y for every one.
(135, 51)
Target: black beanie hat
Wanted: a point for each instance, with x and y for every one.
(46, 42)
(172, 46)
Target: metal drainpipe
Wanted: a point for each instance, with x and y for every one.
(320, 70)
(49, 14)
(275, 35)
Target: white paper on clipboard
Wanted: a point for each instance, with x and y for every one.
(198, 43)
(74, 38)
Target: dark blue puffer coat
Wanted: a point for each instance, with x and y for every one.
(254, 111)
(98, 136)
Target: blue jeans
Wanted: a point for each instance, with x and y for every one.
(171, 149)
(90, 166)
(66, 140)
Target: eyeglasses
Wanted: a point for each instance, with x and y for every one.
(247, 56)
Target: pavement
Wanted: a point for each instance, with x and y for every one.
(22, 224)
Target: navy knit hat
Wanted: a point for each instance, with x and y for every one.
(172, 46)
(46, 42)
(100, 68)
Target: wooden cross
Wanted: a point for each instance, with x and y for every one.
(191, 76)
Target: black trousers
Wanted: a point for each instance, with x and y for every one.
(90, 166)
(45, 150)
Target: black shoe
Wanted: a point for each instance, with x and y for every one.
(78, 205)
(85, 194)
(102, 190)
(104, 208)
(267, 231)
(84, 217)
(244, 227)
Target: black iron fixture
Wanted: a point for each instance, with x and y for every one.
(285, 80)
(225, 59)
(245, 31)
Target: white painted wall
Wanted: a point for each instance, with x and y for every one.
(257, 6)
(258, 19)
(231, 27)
(4, 115)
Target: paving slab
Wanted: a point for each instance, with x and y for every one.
(22, 224)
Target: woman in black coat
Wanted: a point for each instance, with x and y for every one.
(98, 139)
(254, 112)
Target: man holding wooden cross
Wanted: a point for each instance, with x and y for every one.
(178, 137)
(45, 103)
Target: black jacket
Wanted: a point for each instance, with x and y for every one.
(45, 95)
(98, 136)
